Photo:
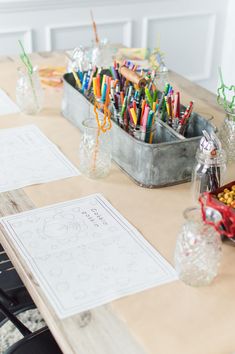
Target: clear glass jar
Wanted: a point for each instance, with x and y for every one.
(198, 248)
(79, 59)
(227, 135)
(208, 173)
(95, 150)
(161, 79)
(102, 53)
(134, 130)
(29, 92)
(117, 117)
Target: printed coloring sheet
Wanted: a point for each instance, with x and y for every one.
(84, 253)
(28, 157)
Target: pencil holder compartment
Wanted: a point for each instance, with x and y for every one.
(194, 127)
(149, 165)
(168, 160)
(197, 124)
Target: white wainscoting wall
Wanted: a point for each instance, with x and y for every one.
(193, 34)
(228, 59)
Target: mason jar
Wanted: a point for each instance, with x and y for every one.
(95, 150)
(29, 92)
(208, 173)
(227, 135)
(161, 79)
(198, 248)
(134, 130)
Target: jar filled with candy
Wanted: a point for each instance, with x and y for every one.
(210, 168)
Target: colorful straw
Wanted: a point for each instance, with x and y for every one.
(94, 28)
(25, 59)
(227, 102)
(102, 127)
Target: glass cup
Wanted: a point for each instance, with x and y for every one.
(208, 173)
(198, 248)
(134, 130)
(227, 135)
(95, 150)
(29, 92)
(161, 79)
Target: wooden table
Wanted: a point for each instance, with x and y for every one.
(173, 318)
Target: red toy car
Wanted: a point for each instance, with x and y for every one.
(226, 226)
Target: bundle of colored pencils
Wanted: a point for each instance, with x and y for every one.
(169, 110)
(133, 98)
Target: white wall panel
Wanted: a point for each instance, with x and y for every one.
(228, 59)
(188, 40)
(9, 40)
(70, 36)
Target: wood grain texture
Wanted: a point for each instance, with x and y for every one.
(168, 319)
(91, 332)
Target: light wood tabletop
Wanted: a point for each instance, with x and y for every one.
(170, 319)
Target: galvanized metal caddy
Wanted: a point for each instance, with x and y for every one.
(169, 160)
